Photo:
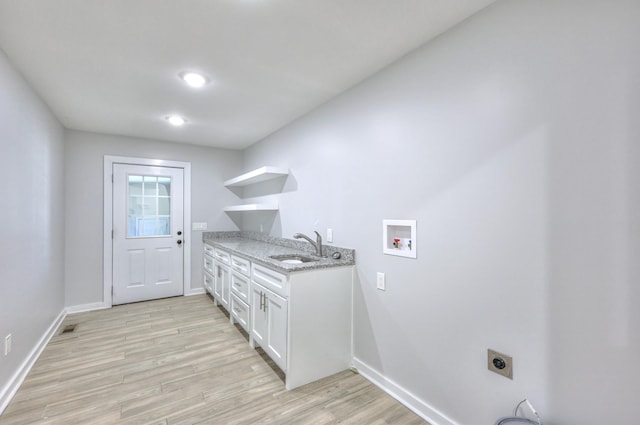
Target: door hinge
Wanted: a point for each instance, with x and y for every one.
(111, 233)
(111, 178)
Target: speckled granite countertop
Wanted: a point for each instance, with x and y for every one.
(258, 247)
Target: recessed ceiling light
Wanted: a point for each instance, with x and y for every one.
(176, 120)
(194, 79)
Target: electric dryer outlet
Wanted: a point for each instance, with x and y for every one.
(500, 363)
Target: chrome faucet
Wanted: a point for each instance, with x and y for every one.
(317, 244)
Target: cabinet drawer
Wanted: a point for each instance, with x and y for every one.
(208, 250)
(240, 312)
(241, 265)
(208, 264)
(240, 286)
(221, 256)
(270, 279)
(208, 282)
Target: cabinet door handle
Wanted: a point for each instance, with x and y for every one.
(261, 300)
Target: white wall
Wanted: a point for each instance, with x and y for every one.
(513, 140)
(83, 193)
(31, 219)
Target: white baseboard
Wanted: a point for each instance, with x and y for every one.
(197, 291)
(10, 389)
(419, 407)
(81, 308)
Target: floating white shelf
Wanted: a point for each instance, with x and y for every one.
(252, 207)
(256, 176)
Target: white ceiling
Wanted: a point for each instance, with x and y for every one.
(111, 66)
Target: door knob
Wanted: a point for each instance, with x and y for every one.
(179, 232)
(179, 242)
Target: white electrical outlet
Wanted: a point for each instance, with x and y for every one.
(381, 282)
(329, 235)
(7, 344)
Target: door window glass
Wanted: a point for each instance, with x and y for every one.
(148, 206)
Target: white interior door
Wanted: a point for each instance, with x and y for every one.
(148, 260)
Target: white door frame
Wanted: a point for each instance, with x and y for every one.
(109, 160)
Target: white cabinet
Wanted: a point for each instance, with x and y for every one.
(240, 292)
(258, 332)
(240, 286)
(221, 289)
(207, 275)
(270, 279)
(208, 282)
(241, 265)
(270, 307)
(240, 313)
(222, 257)
(208, 262)
(222, 277)
(217, 287)
(302, 321)
(269, 323)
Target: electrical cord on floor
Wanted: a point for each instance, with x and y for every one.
(515, 419)
(533, 410)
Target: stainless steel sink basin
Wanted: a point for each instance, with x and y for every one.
(292, 259)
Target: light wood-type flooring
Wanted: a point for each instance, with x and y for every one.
(179, 361)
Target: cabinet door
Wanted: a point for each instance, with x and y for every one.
(258, 315)
(225, 286)
(217, 281)
(222, 284)
(277, 318)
